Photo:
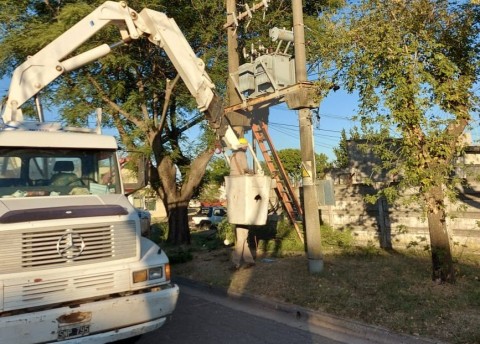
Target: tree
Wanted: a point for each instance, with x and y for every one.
(415, 65)
(341, 152)
(209, 188)
(136, 86)
(291, 159)
(322, 164)
(217, 170)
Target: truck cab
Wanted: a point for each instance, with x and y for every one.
(43, 170)
(75, 267)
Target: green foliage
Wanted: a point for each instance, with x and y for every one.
(217, 170)
(276, 238)
(291, 159)
(207, 241)
(209, 193)
(226, 232)
(415, 66)
(178, 254)
(414, 71)
(280, 238)
(341, 152)
(322, 165)
(336, 238)
(159, 232)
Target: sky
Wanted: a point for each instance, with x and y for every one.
(336, 111)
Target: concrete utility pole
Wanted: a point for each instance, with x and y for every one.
(312, 220)
(238, 121)
(233, 59)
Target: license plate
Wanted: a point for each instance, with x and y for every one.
(73, 331)
(73, 325)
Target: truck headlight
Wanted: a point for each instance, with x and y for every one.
(153, 273)
(140, 276)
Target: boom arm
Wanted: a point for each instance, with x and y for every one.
(50, 62)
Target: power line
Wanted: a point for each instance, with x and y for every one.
(295, 127)
(336, 117)
(329, 137)
(283, 125)
(329, 115)
(286, 133)
(293, 133)
(330, 130)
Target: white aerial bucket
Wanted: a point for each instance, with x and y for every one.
(247, 199)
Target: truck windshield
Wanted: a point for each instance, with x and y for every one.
(27, 172)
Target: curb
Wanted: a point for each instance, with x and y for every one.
(333, 326)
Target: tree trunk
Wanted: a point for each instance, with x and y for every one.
(384, 225)
(178, 230)
(442, 263)
(176, 195)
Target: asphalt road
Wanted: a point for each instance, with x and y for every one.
(202, 318)
(211, 315)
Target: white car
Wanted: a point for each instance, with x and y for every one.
(209, 217)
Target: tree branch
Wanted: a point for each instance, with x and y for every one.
(141, 90)
(199, 164)
(168, 94)
(114, 105)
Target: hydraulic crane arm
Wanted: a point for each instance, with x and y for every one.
(52, 61)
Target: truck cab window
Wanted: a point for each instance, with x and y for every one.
(26, 172)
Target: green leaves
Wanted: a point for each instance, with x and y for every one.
(291, 159)
(414, 65)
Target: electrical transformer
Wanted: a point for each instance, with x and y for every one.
(267, 74)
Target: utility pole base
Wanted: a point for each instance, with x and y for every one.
(315, 266)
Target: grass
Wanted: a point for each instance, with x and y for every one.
(388, 289)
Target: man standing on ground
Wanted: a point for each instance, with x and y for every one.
(239, 167)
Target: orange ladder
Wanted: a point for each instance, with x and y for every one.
(283, 188)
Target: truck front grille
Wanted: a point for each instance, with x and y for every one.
(50, 290)
(41, 290)
(45, 248)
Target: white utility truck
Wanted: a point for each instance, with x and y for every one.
(74, 267)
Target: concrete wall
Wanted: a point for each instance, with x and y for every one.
(402, 225)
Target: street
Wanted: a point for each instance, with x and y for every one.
(204, 318)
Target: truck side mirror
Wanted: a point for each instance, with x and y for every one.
(134, 170)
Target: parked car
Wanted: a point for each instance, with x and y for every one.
(208, 217)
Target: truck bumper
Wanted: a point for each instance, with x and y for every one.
(92, 322)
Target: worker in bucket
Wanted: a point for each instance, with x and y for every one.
(239, 167)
